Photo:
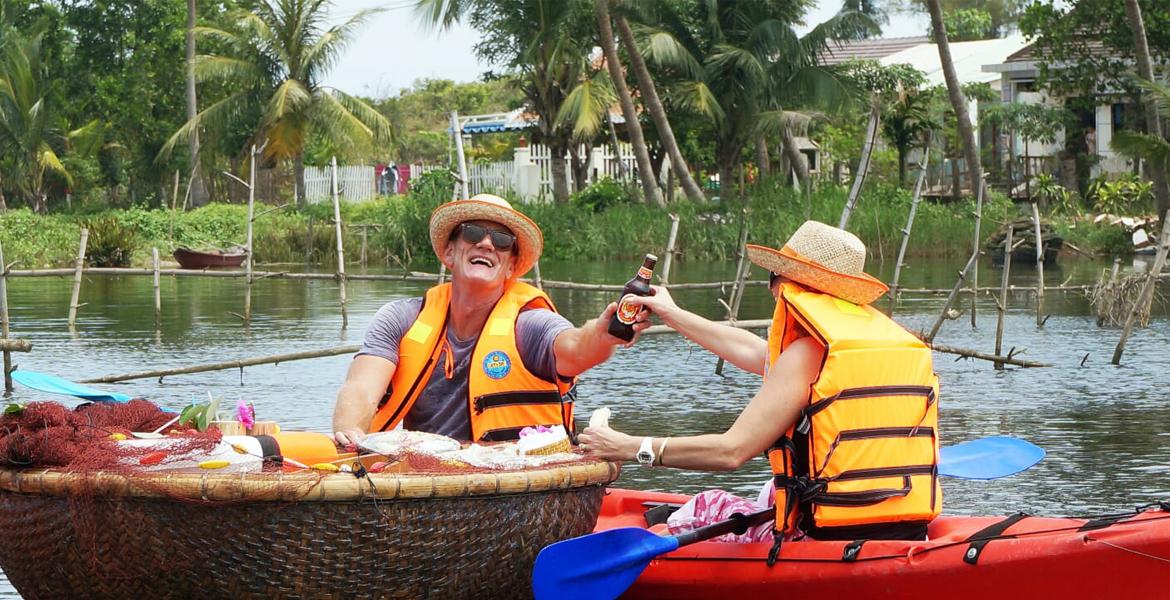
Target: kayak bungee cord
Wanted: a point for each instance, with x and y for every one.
(941, 546)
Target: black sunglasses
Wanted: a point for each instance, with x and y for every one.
(473, 234)
(772, 277)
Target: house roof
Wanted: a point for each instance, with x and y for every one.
(515, 120)
(844, 51)
(967, 57)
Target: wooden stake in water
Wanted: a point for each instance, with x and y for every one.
(309, 246)
(248, 239)
(79, 268)
(4, 320)
(906, 231)
(740, 275)
(1147, 293)
(457, 131)
(978, 220)
(951, 298)
(157, 293)
(340, 245)
(1039, 266)
(536, 273)
(664, 278)
(1003, 290)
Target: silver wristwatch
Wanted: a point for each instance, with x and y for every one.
(645, 453)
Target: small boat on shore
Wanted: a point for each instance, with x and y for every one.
(1112, 556)
(194, 259)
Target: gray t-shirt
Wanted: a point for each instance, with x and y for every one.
(442, 406)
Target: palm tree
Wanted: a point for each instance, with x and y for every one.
(737, 59)
(32, 136)
(547, 44)
(198, 194)
(1158, 170)
(906, 122)
(274, 60)
(633, 127)
(657, 111)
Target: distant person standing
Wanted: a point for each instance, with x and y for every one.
(1091, 140)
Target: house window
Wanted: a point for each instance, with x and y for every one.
(1117, 112)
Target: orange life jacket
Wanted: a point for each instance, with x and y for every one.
(503, 395)
(865, 448)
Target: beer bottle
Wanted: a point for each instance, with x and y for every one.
(621, 325)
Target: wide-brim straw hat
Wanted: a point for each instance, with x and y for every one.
(825, 258)
(488, 207)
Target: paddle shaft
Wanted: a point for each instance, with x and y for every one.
(737, 524)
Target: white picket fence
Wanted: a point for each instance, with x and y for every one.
(354, 183)
(492, 178)
(608, 166)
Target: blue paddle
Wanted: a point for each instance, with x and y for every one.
(988, 458)
(601, 566)
(56, 385)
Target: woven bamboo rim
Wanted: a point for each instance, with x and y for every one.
(308, 485)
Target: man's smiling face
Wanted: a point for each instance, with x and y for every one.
(480, 263)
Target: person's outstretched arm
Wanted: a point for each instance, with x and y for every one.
(357, 400)
(739, 347)
(774, 409)
(580, 349)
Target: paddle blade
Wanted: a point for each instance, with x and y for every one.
(598, 566)
(56, 385)
(988, 458)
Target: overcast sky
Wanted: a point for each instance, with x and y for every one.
(392, 49)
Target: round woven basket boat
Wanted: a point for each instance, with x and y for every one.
(289, 535)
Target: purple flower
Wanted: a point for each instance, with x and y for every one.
(245, 414)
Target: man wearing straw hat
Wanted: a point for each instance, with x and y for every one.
(478, 358)
(847, 413)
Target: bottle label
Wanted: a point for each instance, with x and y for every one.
(627, 311)
(645, 273)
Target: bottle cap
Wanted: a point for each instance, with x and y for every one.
(652, 257)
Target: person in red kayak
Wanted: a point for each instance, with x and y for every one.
(481, 357)
(847, 413)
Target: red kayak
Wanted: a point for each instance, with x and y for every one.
(1116, 556)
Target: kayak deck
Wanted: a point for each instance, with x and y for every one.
(1032, 557)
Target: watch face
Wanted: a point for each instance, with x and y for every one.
(645, 458)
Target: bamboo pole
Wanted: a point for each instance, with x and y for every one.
(457, 131)
(1008, 360)
(365, 238)
(664, 278)
(231, 364)
(12, 345)
(906, 232)
(536, 275)
(1003, 290)
(1039, 266)
(309, 246)
(978, 222)
(863, 166)
(4, 331)
(157, 291)
(248, 278)
(77, 273)
(340, 245)
(741, 270)
(951, 298)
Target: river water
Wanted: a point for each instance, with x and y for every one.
(1105, 427)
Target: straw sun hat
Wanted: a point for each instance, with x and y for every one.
(824, 258)
(487, 207)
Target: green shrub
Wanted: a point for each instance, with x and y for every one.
(602, 195)
(110, 243)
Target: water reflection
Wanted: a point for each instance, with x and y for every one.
(1103, 426)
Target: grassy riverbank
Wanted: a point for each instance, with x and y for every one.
(583, 230)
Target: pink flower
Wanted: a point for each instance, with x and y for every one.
(245, 414)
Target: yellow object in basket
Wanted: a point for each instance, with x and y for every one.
(117, 436)
(214, 464)
(325, 467)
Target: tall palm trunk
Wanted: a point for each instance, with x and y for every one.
(794, 155)
(657, 112)
(1153, 121)
(198, 193)
(299, 175)
(633, 127)
(560, 182)
(955, 91)
(763, 159)
(726, 158)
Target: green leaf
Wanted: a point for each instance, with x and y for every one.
(14, 409)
